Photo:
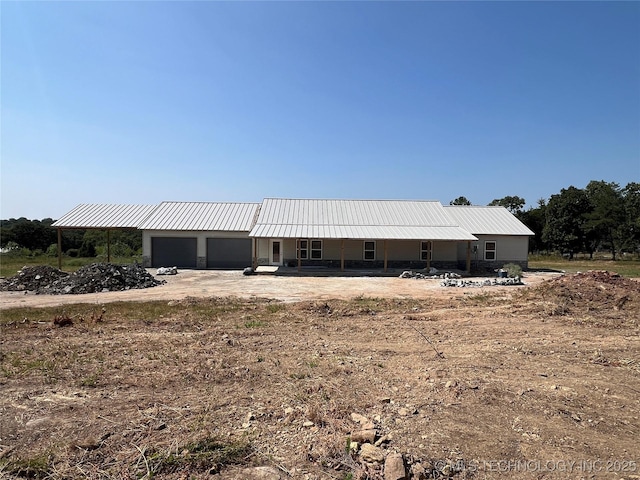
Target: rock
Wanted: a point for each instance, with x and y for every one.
(364, 436)
(356, 417)
(394, 467)
(308, 424)
(384, 439)
(167, 271)
(369, 453)
(419, 472)
(247, 271)
(94, 278)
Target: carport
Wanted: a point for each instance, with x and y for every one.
(101, 217)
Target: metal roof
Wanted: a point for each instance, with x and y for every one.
(92, 215)
(481, 220)
(206, 216)
(358, 219)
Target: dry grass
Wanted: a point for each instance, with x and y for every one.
(190, 388)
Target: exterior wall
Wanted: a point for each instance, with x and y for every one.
(509, 249)
(199, 235)
(400, 254)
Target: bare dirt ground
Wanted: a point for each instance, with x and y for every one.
(534, 382)
(208, 283)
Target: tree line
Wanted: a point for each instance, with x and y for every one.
(35, 237)
(603, 216)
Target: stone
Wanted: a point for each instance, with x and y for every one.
(364, 436)
(308, 424)
(356, 417)
(418, 472)
(394, 467)
(371, 454)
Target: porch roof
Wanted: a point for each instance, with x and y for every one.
(356, 219)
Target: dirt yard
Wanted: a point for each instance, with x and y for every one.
(217, 375)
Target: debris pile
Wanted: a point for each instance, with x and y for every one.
(593, 293)
(97, 277)
(32, 278)
(167, 271)
(430, 276)
(489, 282)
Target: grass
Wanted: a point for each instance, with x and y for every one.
(627, 267)
(207, 455)
(10, 264)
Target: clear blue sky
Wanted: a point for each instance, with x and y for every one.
(140, 102)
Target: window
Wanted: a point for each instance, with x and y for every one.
(309, 249)
(369, 250)
(425, 250)
(489, 250)
(303, 249)
(316, 249)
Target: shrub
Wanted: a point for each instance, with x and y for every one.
(72, 252)
(52, 251)
(513, 270)
(87, 249)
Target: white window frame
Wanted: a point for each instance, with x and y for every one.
(426, 250)
(493, 250)
(365, 250)
(314, 249)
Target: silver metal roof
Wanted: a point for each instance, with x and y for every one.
(207, 216)
(92, 215)
(481, 220)
(358, 219)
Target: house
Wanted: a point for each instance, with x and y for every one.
(198, 235)
(340, 234)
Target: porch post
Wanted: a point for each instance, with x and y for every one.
(342, 255)
(429, 253)
(298, 253)
(385, 256)
(468, 256)
(254, 260)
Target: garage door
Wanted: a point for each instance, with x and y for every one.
(174, 252)
(228, 252)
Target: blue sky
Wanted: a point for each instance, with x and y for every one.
(140, 102)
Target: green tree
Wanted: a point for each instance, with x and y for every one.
(564, 220)
(631, 201)
(604, 223)
(514, 204)
(460, 201)
(534, 218)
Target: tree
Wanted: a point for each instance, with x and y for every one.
(564, 220)
(514, 204)
(460, 201)
(631, 201)
(604, 223)
(534, 218)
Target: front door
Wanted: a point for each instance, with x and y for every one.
(275, 252)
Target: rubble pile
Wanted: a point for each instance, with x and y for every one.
(97, 277)
(489, 282)
(32, 278)
(429, 276)
(595, 291)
